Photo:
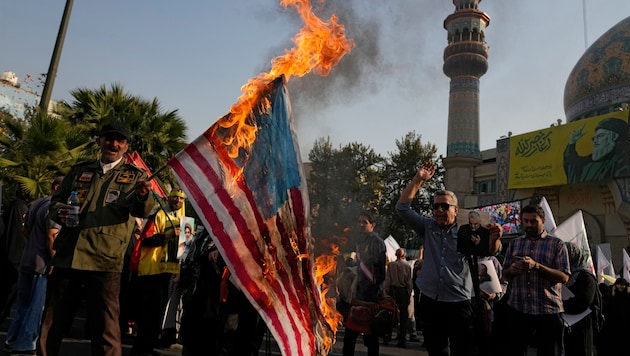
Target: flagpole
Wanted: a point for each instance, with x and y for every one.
(156, 172)
(156, 197)
(149, 178)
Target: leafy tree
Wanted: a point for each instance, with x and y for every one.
(35, 150)
(156, 135)
(398, 170)
(342, 182)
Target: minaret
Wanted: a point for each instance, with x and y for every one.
(465, 61)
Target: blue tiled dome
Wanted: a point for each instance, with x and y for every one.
(600, 80)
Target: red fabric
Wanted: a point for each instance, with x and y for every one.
(223, 291)
(135, 159)
(362, 319)
(147, 231)
(359, 319)
(256, 208)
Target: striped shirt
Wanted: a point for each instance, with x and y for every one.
(530, 292)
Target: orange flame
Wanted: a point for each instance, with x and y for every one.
(325, 266)
(319, 46)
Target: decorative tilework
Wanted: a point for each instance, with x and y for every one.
(601, 77)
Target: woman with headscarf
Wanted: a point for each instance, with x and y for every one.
(578, 338)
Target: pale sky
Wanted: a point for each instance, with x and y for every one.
(194, 56)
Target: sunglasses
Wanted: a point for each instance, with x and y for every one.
(444, 206)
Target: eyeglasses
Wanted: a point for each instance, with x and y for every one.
(444, 206)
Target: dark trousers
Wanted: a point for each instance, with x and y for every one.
(201, 329)
(64, 292)
(547, 332)
(243, 328)
(447, 324)
(350, 340)
(152, 298)
(8, 292)
(402, 298)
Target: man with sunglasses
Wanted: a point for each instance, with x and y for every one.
(445, 281)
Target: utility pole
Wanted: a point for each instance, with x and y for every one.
(54, 61)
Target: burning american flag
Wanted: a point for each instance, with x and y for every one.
(244, 178)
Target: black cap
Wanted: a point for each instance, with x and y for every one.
(115, 128)
(613, 124)
(621, 281)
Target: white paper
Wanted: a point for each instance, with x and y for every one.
(391, 245)
(493, 285)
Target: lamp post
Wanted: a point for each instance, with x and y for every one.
(54, 61)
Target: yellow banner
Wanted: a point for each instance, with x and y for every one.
(586, 150)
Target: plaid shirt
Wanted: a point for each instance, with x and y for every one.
(530, 292)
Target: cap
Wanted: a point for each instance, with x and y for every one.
(115, 128)
(612, 124)
(621, 281)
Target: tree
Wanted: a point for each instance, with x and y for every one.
(35, 150)
(156, 135)
(342, 182)
(398, 170)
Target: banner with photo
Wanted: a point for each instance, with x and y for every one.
(586, 150)
(186, 236)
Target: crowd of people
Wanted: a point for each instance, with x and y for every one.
(544, 298)
(126, 260)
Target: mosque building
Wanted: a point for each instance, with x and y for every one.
(552, 162)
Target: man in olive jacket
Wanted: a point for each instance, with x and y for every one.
(90, 256)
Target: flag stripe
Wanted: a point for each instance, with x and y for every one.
(294, 297)
(220, 231)
(256, 208)
(198, 159)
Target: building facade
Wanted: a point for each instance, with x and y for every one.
(599, 85)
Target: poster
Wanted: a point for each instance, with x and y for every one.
(186, 236)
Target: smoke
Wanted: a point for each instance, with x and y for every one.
(389, 52)
(358, 71)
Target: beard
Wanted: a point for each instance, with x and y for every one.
(603, 148)
(531, 232)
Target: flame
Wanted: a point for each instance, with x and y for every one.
(319, 46)
(326, 266)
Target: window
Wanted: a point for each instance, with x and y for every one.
(486, 186)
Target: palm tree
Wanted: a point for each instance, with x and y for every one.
(156, 135)
(162, 134)
(35, 150)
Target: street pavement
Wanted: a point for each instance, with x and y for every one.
(76, 344)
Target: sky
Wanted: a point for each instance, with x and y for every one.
(194, 56)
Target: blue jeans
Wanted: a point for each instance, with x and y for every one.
(31, 295)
